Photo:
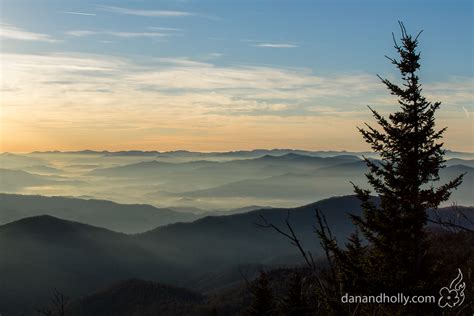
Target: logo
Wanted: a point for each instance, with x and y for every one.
(453, 295)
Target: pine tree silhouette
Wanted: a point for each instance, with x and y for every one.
(404, 179)
(263, 301)
(295, 304)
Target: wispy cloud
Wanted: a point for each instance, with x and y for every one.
(159, 28)
(180, 87)
(276, 45)
(82, 33)
(12, 32)
(136, 34)
(147, 13)
(78, 13)
(466, 112)
(215, 55)
(100, 94)
(169, 80)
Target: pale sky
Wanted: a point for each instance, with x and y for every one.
(221, 75)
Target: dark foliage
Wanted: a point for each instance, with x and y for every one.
(394, 255)
(137, 297)
(263, 303)
(295, 302)
(58, 305)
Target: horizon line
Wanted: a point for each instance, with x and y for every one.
(197, 151)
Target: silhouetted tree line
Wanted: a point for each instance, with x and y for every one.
(293, 303)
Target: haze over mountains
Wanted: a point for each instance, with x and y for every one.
(86, 222)
(127, 218)
(78, 259)
(203, 181)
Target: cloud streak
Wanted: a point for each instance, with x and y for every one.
(78, 13)
(158, 28)
(145, 13)
(15, 33)
(83, 33)
(466, 112)
(276, 45)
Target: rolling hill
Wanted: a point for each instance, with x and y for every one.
(320, 183)
(15, 161)
(137, 297)
(43, 252)
(156, 168)
(77, 259)
(127, 218)
(236, 239)
(13, 180)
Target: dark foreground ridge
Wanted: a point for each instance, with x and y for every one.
(78, 259)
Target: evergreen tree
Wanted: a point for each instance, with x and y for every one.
(295, 302)
(263, 302)
(411, 156)
(213, 312)
(352, 265)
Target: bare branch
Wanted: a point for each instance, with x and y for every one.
(290, 236)
(452, 224)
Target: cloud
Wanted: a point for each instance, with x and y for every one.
(276, 45)
(183, 62)
(466, 112)
(94, 98)
(78, 13)
(61, 67)
(146, 13)
(215, 55)
(185, 86)
(158, 28)
(82, 33)
(453, 92)
(136, 34)
(16, 33)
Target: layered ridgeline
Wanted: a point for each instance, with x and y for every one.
(127, 218)
(238, 154)
(288, 177)
(201, 181)
(79, 259)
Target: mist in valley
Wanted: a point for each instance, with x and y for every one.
(201, 183)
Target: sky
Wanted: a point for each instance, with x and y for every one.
(221, 75)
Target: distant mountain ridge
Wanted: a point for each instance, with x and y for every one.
(12, 180)
(328, 180)
(143, 168)
(129, 218)
(237, 153)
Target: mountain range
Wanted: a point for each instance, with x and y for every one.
(212, 182)
(234, 154)
(78, 259)
(127, 218)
